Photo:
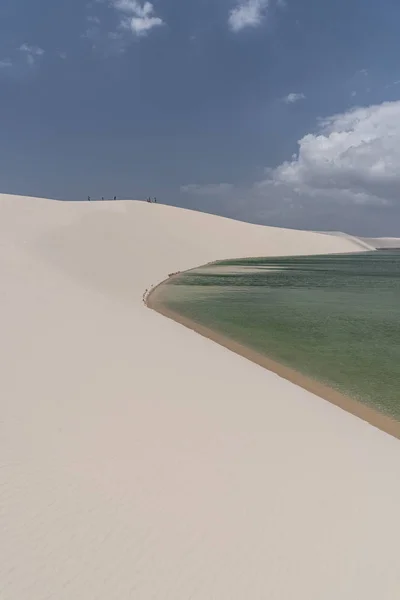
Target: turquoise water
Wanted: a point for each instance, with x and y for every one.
(333, 318)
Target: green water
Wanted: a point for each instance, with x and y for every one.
(333, 318)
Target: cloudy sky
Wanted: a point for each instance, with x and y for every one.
(276, 111)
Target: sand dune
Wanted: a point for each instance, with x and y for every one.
(369, 243)
(362, 243)
(140, 460)
(383, 243)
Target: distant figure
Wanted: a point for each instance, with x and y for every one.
(155, 199)
(88, 198)
(102, 197)
(115, 197)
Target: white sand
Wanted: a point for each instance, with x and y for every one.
(142, 461)
(369, 243)
(364, 243)
(383, 243)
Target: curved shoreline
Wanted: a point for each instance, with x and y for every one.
(350, 405)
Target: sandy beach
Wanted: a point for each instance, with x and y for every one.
(142, 460)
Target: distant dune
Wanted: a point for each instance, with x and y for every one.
(369, 243)
(140, 460)
(383, 243)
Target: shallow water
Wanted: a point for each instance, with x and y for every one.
(333, 318)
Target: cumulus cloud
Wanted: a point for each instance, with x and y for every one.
(136, 17)
(293, 98)
(208, 189)
(248, 13)
(354, 157)
(32, 53)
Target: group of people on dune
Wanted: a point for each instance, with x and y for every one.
(115, 197)
(89, 198)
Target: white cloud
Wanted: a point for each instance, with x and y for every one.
(138, 18)
(32, 53)
(132, 16)
(208, 189)
(293, 97)
(249, 13)
(353, 158)
(5, 63)
(134, 7)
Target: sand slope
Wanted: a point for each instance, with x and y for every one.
(363, 243)
(139, 460)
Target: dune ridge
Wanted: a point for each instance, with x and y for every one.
(140, 460)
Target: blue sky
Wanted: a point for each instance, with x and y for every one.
(284, 112)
